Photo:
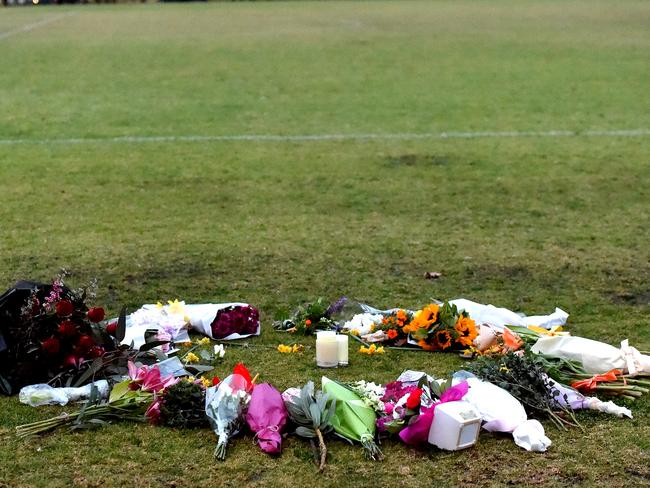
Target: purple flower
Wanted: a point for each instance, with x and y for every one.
(336, 307)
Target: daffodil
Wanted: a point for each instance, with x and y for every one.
(191, 358)
(204, 342)
(206, 383)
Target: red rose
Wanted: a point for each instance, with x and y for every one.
(111, 328)
(85, 342)
(413, 400)
(51, 345)
(96, 351)
(64, 308)
(215, 381)
(67, 328)
(96, 314)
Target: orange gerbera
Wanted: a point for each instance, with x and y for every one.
(466, 329)
(401, 315)
(443, 339)
(392, 333)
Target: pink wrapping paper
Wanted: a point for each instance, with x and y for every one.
(266, 417)
(417, 432)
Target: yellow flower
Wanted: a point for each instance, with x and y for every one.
(372, 327)
(354, 332)
(503, 369)
(204, 342)
(190, 379)
(373, 349)
(206, 383)
(176, 307)
(284, 349)
(191, 358)
(297, 348)
(159, 305)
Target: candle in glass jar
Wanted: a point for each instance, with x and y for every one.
(342, 343)
(327, 351)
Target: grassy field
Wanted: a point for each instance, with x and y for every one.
(528, 223)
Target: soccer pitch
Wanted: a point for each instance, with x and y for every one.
(274, 152)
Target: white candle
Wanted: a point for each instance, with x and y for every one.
(327, 351)
(342, 343)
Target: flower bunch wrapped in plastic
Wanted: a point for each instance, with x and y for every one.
(353, 420)
(132, 399)
(239, 319)
(225, 405)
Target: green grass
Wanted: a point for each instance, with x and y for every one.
(525, 223)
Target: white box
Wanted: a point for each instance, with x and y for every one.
(455, 426)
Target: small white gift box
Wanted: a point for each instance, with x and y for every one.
(455, 426)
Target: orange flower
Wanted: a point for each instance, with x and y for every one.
(307, 322)
(466, 329)
(401, 315)
(426, 346)
(392, 333)
(443, 339)
(511, 340)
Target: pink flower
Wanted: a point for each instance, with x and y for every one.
(149, 379)
(153, 412)
(388, 408)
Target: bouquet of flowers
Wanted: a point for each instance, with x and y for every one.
(312, 412)
(225, 405)
(441, 328)
(266, 417)
(313, 316)
(46, 330)
(183, 405)
(353, 420)
(132, 399)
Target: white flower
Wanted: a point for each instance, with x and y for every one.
(363, 322)
(219, 350)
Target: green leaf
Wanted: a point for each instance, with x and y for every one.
(120, 330)
(119, 390)
(94, 368)
(5, 386)
(305, 432)
(315, 414)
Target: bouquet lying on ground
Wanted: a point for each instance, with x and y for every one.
(353, 420)
(312, 413)
(131, 399)
(45, 331)
(310, 317)
(225, 405)
(266, 417)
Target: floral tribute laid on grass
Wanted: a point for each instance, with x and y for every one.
(146, 367)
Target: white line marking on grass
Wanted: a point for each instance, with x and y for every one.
(33, 25)
(332, 137)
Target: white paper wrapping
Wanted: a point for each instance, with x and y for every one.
(502, 412)
(501, 317)
(596, 357)
(174, 323)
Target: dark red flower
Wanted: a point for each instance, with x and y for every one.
(96, 314)
(85, 342)
(51, 345)
(72, 360)
(96, 351)
(111, 328)
(67, 328)
(413, 400)
(64, 308)
(215, 381)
